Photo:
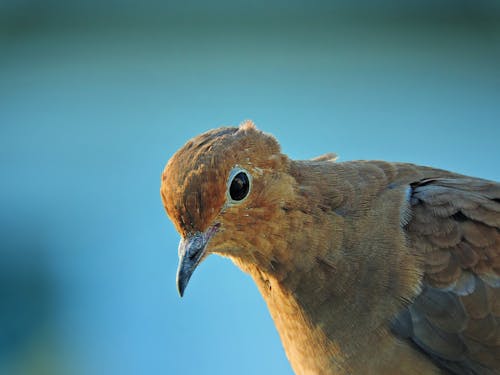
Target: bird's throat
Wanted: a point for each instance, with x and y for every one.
(328, 333)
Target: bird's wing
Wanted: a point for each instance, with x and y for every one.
(455, 228)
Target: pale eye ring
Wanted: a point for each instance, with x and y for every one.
(238, 184)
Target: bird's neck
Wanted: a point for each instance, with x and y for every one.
(332, 308)
(335, 281)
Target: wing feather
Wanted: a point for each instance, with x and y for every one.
(455, 229)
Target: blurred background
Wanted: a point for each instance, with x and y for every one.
(95, 96)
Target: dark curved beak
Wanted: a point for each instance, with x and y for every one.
(191, 251)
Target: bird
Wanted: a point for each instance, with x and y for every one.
(366, 266)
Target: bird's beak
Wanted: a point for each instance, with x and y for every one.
(191, 251)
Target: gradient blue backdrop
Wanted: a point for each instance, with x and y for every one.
(96, 96)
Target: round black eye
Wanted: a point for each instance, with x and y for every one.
(240, 185)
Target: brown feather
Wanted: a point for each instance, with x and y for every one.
(366, 266)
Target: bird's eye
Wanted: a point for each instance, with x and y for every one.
(239, 184)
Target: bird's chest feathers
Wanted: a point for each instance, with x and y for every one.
(341, 278)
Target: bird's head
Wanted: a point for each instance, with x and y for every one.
(221, 190)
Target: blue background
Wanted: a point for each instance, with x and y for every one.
(96, 96)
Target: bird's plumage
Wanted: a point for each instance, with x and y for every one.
(366, 266)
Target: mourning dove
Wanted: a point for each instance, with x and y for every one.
(367, 267)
